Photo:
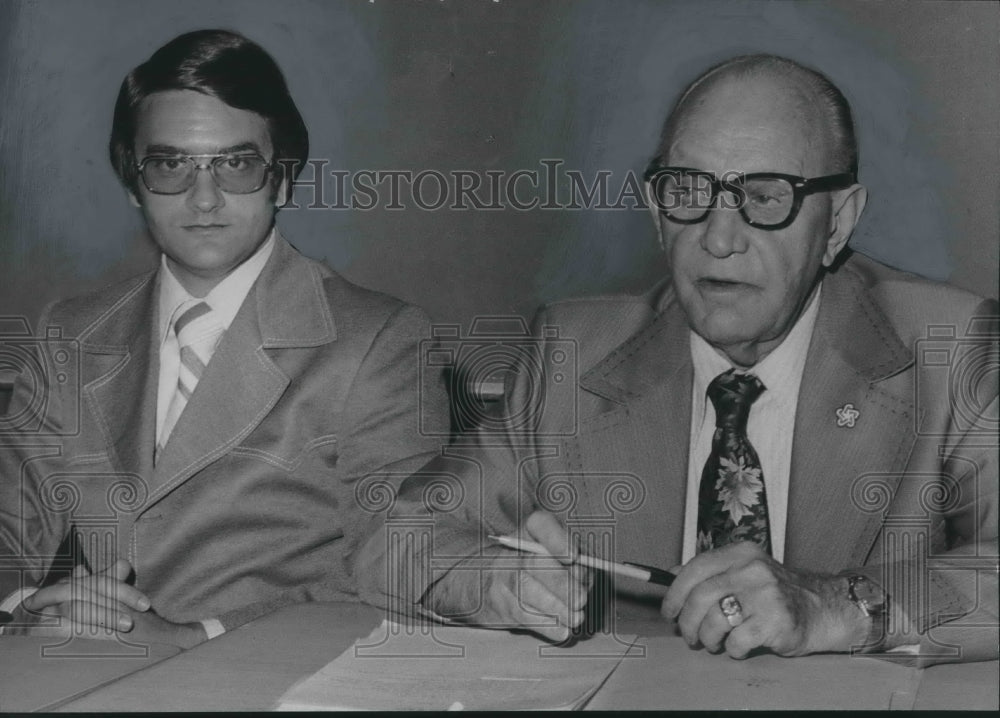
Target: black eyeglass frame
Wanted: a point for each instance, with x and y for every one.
(209, 165)
(801, 188)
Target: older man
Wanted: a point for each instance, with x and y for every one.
(206, 440)
(766, 421)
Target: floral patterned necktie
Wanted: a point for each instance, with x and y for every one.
(732, 505)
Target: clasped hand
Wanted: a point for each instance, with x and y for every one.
(790, 612)
(543, 594)
(102, 605)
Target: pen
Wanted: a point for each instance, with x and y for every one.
(649, 574)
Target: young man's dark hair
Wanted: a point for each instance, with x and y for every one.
(221, 64)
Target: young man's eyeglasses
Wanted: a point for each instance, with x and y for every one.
(765, 200)
(233, 173)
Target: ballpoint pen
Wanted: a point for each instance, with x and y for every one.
(649, 574)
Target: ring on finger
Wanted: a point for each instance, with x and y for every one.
(731, 609)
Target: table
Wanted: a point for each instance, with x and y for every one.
(243, 670)
(43, 673)
(251, 667)
(676, 677)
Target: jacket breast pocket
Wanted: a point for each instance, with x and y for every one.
(289, 453)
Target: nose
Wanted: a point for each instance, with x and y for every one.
(724, 231)
(205, 194)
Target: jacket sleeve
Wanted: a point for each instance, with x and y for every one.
(35, 505)
(943, 593)
(482, 483)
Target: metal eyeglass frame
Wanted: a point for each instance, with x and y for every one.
(205, 165)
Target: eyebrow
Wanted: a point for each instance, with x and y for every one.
(172, 150)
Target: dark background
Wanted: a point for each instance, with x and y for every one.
(480, 85)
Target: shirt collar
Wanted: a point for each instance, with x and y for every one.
(226, 297)
(779, 370)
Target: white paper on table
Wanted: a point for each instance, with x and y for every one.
(433, 667)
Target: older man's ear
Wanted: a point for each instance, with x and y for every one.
(848, 204)
(651, 204)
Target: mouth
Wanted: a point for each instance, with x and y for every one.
(204, 227)
(718, 284)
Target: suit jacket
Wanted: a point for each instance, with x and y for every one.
(893, 470)
(252, 502)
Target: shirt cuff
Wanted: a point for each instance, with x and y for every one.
(428, 613)
(14, 600)
(213, 627)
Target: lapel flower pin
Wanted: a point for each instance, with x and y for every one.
(847, 415)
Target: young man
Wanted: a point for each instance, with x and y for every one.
(228, 401)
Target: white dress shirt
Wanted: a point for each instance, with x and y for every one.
(225, 299)
(770, 427)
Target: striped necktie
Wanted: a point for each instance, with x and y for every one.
(198, 333)
(732, 502)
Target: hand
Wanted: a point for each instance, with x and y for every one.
(790, 612)
(542, 594)
(103, 606)
(101, 600)
(148, 627)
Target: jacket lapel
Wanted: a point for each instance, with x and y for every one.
(852, 435)
(649, 376)
(120, 377)
(285, 308)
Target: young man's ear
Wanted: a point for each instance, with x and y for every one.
(847, 208)
(133, 199)
(282, 194)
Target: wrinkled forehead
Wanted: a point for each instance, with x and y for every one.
(751, 124)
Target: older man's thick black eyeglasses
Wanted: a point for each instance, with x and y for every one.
(765, 200)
